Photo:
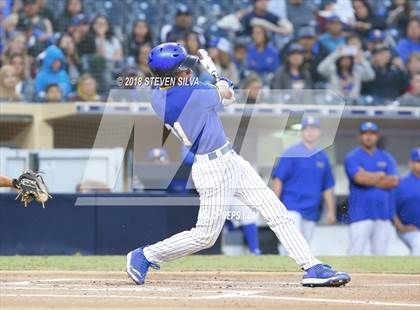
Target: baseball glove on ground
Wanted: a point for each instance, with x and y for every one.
(31, 186)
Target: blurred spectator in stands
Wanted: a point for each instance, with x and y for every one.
(412, 98)
(376, 37)
(52, 72)
(33, 43)
(5, 10)
(399, 13)
(300, 13)
(8, 82)
(53, 94)
(40, 28)
(86, 89)
(407, 198)
(140, 34)
(84, 39)
(8, 23)
(183, 25)
(334, 36)
(354, 39)
(410, 43)
(71, 9)
(46, 12)
(192, 43)
(220, 51)
(292, 75)
(314, 52)
(262, 17)
(25, 86)
(343, 9)
(346, 69)
(372, 173)
(67, 45)
(262, 57)
(142, 60)
(227, 67)
(413, 64)
(366, 20)
(390, 81)
(107, 44)
(239, 59)
(253, 85)
(16, 45)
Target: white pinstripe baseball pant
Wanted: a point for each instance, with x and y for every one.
(217, 181)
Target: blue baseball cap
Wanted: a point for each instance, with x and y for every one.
(368, 126)
(333, 18)
(222, 44)
(295, 48)
(310, 120)
(306, 32)
(79, 19)
(376, 35)
(415, 154)
(182, 9)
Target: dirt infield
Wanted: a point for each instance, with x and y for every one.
(209, 290)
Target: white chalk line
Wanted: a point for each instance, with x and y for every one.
(119, 289)
(234, 282)
(241, 294)
(29, 282)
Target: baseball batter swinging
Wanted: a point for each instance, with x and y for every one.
(219, 174)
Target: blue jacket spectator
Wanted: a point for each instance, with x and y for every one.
(334, 35)
(262, 57)
(411, 43)
(53, 72)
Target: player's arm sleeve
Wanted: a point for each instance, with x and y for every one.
(328, 177)
(351, 166)
(398, 200)
(283, 169)
(391, 168)
(209, 96)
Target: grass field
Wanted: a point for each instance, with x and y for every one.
(394, 264)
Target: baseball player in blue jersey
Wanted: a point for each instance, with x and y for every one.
(372, 173)
(407, 200)
(303, 178)
(219, 174)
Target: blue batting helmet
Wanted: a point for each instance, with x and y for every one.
(169, 58)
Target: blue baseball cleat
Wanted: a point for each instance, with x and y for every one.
(324, 275)
(138, 265)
